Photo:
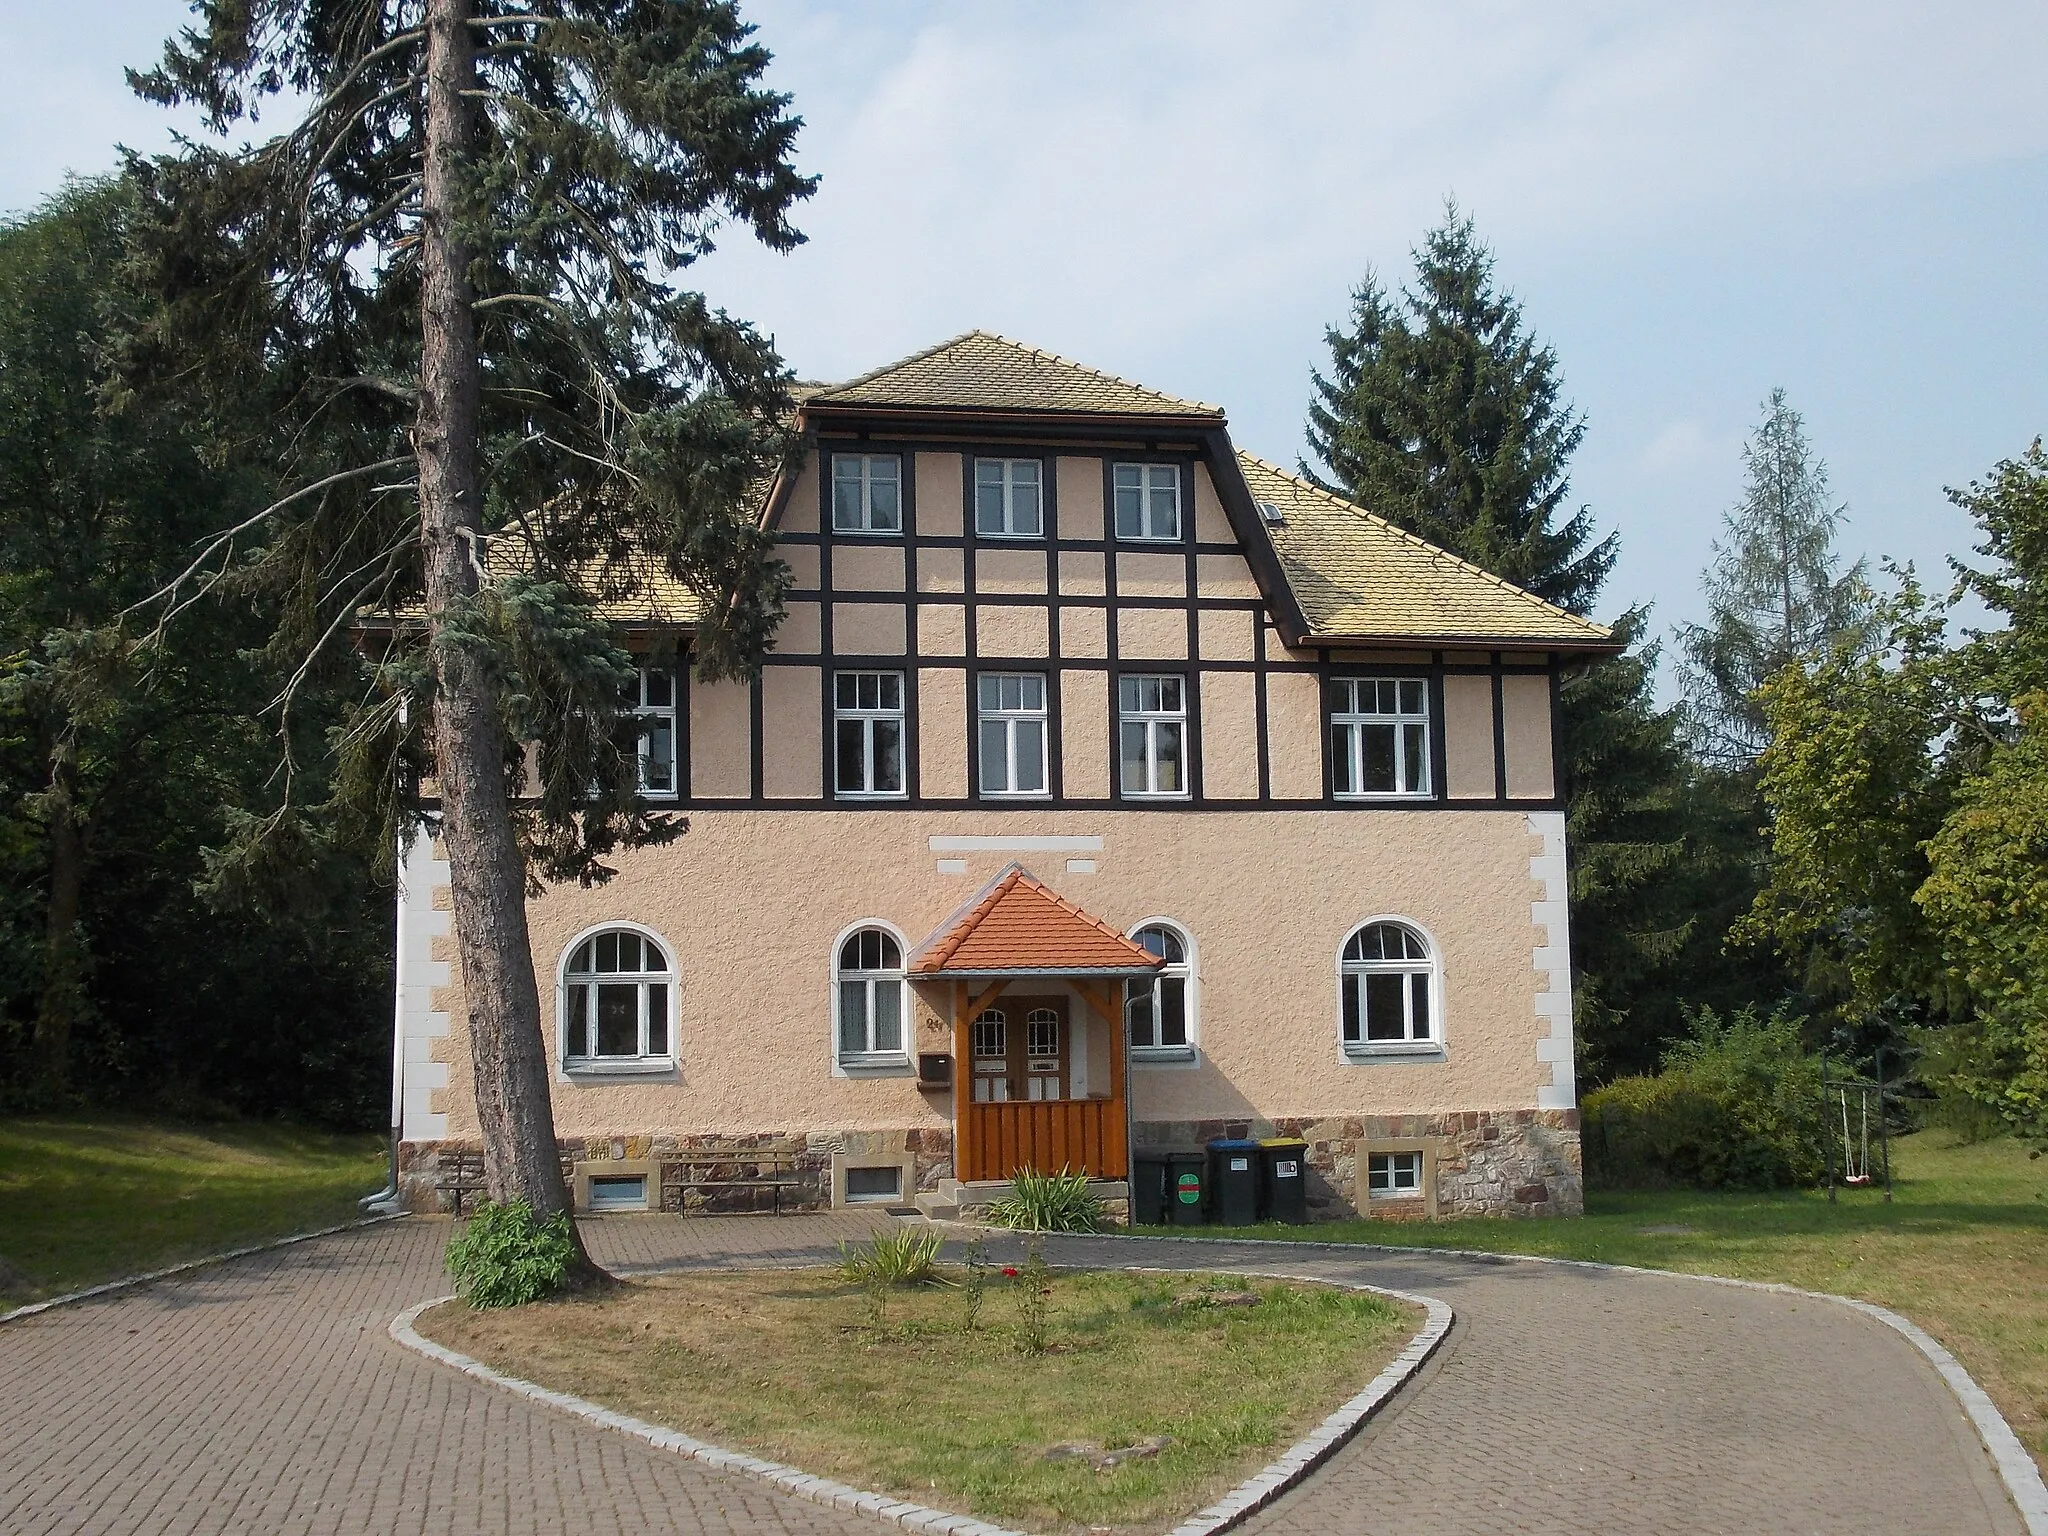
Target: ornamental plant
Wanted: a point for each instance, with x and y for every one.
(1049, 1202)
(507, 1256)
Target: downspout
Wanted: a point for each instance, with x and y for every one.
(386, 1201)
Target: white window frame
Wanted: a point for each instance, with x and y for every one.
(866, 479)
(1008, 483)
(1150, 477)
(1188, 972)
(1394, 1189)
(1010, 719)
(870, 1062)
(1412, 777)
(576, 1065)
(649, 715)
(1432, 964)
(1150, 721)
(867, 718)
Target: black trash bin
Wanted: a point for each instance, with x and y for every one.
(1234, 1181)
(1284, 1179)
(1186, 1188)
(1149, 1173)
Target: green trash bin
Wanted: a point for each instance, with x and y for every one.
(1186, 1188)
(1149, 1174)
(1234, 1181)
(1284, 1179)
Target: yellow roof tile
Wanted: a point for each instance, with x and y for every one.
(982, 371)
(1359, 576)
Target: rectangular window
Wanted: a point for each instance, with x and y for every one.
(618, 1192)
(1013, 735)
(1147, 501)
(1394, 1173)
(867, 493)
(1008, 502)
(1379, 736)
(864, 1185)
(1152, 735)
(867, 727)
(650, 699)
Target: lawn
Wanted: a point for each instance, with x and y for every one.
(1962, 1250)
(85, 1200)
(793, 1366)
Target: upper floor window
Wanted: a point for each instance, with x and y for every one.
(1388, 980)
(867, 493)
(1159, 1010)
(1147, 501)
(1013, 733)
(867, 984)
(651, 700)
(1379, 736)
(616, 991)
(1152, 722)
(867, 725)
(1008, 498)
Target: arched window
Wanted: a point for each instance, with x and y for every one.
(617, 988)
(1159, 1010)
(1388, 977)
(868, 1003)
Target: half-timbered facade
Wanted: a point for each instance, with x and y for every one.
(1107, 787)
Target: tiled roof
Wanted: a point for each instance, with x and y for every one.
(1017, 923)
(1359, 576)
(981, 371)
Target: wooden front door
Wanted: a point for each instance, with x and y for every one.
(1022, 1051)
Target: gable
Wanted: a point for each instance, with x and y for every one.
(981, 371)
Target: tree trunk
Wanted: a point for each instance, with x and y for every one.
(488, 872)
(63, 952)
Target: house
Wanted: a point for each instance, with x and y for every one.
(1107, 788)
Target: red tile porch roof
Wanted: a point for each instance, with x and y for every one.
(1016, 923)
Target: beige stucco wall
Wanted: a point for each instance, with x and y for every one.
(1294, 735)
(868, 629)
(721, 739)
(1211, 526)
(1079, 494)
(791, 701)
(800, 512)
(942, 732)
(1268, 898)
(1152, 634)
(940, 497)
(1468, 736)
(1010, 571)
(876, 567)
(1230, 736)
(1525, 725)
(1008, 629)
(1150, 575)
(1084, 733)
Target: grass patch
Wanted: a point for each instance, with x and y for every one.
(1962, 1250)
(788, 1366)
(85, 1200)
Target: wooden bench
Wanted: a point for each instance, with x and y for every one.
(772, 1171)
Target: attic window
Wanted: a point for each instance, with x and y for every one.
(1271, 513)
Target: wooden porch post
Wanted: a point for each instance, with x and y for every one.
(963, 1087)
(1101, 997)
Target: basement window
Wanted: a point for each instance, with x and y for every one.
(1390, 1175)
(618, 1192)
(870, 1186)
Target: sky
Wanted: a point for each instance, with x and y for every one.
(1694, 204)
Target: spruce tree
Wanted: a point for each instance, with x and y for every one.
(1441, 413)
(1776, 592)
(455, 275)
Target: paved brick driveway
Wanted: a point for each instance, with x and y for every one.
(264, 1396)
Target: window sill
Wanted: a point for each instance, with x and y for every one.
(1382, 796)
(867, 533)
(1380, 1048)
(871, 797)
(1164, 1055)
(1026, 796)
(624, 1066)
(1163, 797)
(878, 1065)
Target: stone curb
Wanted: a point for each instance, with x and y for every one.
(128, 1281)
(2016, 1469)
(1246, 1498)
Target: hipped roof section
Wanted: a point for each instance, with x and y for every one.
(1017, 925)
(983, 372)
(1358, 576)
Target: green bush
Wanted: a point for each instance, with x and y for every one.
(904, 1256)
(1737, 1106)
(1049, 1202)
(506, 1256)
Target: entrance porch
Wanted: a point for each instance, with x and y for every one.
(1040, 1064)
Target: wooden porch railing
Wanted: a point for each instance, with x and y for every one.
(1085, 1135)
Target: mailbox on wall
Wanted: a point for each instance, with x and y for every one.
(934, 1070)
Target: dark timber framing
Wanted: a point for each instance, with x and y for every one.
(1274, 620)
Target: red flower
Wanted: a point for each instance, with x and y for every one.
(1010, 1271)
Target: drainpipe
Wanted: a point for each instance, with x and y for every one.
(385, 1201)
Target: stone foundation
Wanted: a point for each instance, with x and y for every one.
(697, 1175)
(1515, 1162)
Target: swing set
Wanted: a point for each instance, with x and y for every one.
(1854, 1102)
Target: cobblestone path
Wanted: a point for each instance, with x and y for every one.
(263, 1395)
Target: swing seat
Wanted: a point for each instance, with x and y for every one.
(1857, 1178)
